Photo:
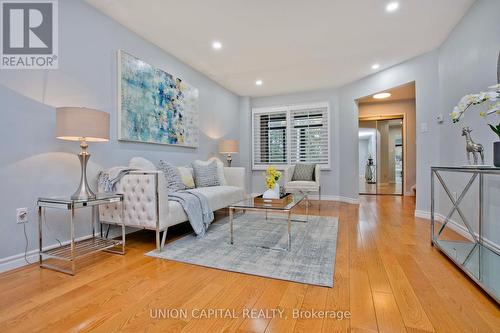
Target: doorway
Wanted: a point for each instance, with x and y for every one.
(387, 142)
(381, 156)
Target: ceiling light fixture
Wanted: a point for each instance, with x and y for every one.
(258, 82)
(216, 45)
(375, 66)
(392, 6)
(382, 95)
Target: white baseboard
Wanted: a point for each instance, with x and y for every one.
(422, 214)
(455, 226)
(17, 260)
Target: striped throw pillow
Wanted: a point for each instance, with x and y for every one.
(205, 175)
(172, 176)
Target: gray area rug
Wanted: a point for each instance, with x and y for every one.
(311, 260)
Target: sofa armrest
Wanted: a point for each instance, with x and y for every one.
(317, 174)
(288, 174)
(235, 176)
(145, 201)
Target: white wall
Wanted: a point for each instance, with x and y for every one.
(34, 163)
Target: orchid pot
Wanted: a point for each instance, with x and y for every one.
(496, 145)
(496, 154)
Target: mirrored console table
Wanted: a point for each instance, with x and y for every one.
(473, 254)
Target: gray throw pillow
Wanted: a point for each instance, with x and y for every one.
(205, 175)
(304, 172)
(172, 176)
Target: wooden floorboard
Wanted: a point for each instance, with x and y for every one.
(388, 278)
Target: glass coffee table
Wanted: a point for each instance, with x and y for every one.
(252, 204)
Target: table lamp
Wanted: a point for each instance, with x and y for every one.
(84, 125)
(229, 147)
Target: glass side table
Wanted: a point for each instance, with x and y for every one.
(68, 253)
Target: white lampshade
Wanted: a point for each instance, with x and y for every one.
(75, 124)
(229, 146)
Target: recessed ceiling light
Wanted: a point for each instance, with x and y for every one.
(392, 6)
(216, 45)
(382, 95)
(375, 66)
(258, 82)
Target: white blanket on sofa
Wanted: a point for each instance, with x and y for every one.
(197, 209)
(108, 178)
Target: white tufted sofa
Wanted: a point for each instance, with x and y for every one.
(146, 202)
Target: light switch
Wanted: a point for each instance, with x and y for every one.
(424, 128)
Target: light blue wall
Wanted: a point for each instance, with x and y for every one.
(468, 64)
(464, 63)
(342, 180)
(424, 71)
(330, 178)
(34, 163)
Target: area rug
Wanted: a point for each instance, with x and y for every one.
(311, 260)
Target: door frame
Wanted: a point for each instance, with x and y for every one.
(390, 117)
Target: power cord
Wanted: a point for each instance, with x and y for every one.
(48, 228)
(26, 247)
(27, 241)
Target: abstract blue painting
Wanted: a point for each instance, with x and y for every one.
(155, 106)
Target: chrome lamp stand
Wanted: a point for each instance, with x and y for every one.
(83, 192)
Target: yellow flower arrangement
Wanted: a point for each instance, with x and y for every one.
(272, 176)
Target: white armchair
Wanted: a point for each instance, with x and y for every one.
(302, 186)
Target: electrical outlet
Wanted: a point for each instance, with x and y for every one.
(22, 215)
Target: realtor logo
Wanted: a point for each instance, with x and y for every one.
(29, 34)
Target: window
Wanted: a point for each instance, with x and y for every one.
(290, 135)
(270, 144)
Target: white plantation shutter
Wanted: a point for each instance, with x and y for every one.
(309, 135)
(270, 138)
(290, 135)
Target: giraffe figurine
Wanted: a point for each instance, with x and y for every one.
(472, 147)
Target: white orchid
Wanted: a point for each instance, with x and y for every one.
(477, 99)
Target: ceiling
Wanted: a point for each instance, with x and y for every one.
(291, 45)
(403, 92)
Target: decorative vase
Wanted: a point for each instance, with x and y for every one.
(496, 153)
(273, 193)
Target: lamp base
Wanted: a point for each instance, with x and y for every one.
(83, 192)
(229, 160)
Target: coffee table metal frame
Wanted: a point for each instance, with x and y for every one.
(249, 204)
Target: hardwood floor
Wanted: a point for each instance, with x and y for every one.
(387, 276)
(380, 188)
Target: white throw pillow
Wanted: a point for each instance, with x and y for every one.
(141, 164)
(220, 168)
